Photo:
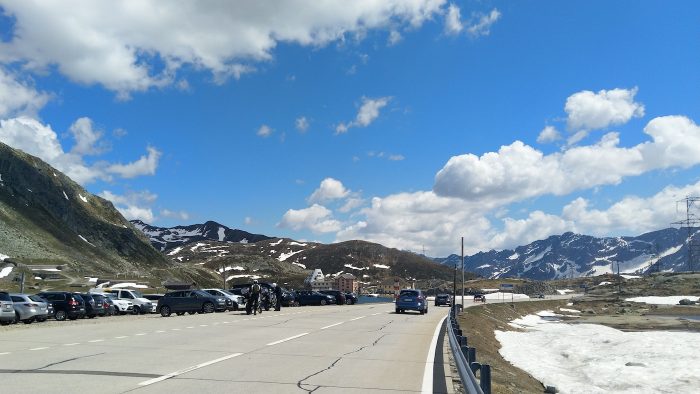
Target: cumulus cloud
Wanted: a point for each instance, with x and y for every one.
(519, 171)
(301, 124)
(35, 138)
(181, 215)
(315, 218)
(548, 134)
(19, 97)
(329, 189)
(264, 131)
(120, 45)
(133, 205)
(587, 110)
(368, 113)
(453, 20)
(394, 38)
(482, 26)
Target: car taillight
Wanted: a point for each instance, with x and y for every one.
(73, 302)
(105, 305)
(31, 305)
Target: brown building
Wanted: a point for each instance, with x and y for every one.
(347, 283)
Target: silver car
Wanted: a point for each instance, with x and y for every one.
(7, 311)
(238, 302)
(29, 308)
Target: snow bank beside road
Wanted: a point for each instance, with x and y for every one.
(590, 358)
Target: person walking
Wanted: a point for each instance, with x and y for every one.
(278, 296)
(254, 294)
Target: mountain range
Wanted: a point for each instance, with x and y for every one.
(575, 255)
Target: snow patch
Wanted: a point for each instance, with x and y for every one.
(569, 310)
(484, 266)
(296, 243)
(513, 256)
(242, 276)
(5, 271)
(65, 195)
(565, 291)
(355, 268)
(222, 234)
(300, 265)
(386, 267)
(277, 243)
(82, 198)
(229, 268)
(506, 296)
(243, 241)
(83, 238)
(3, 257)
(199, 245)
(175, 251)
(129, 284)
(285, 256)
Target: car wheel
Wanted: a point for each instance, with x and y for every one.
(323, 302)
(60, 315)
(137, 310)
(41, 319)
(422, 311)
(5, 322)
(28, 321)
(208, 307)
(16, 320)
(91, 316)
(165, 311)
(398, 310)
(191, 312)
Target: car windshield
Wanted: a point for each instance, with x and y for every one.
(5, 297)
(36, 298)
(137, 294)
(409, 293)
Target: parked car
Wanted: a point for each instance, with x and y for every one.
(153, 297)
(65, 304)
(350, 298)
(267, 294)
(190, 301)
(7, 310)
(107, 309)
(29, 308)
(92, 308)
(289, 298)
(49, 306)
(141, 304)
(337, 294)
(411, 300)
(121, 307)
(237, 301)
(443, 299)
(309, 297)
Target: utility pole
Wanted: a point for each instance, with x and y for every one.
(454, 285)
(462, 272)
(691, 221)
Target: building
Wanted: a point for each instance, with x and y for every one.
(347, 283)
(317, 281)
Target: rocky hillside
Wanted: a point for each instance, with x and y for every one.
(575, 255)
(46, 218)
(164, 238)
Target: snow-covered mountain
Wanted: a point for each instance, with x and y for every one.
(576, 255)
(163, 238)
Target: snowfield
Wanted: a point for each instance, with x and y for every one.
(175, 251)
(669, 300)
(591, 358)
(5, 271)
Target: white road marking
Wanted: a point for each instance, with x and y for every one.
(186, 370)
(96, 340)
(375, 314)
(430, 361)
(189, 327)
(358, 318)
(2, 354)
(332, 325)
(204, 325)
(38, 348)
(176, 329)
(160, 332)
(287, 339)
(121, 337)
(225, 322)
(72, 344)
(141, 334)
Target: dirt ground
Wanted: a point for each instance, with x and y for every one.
(604, 305)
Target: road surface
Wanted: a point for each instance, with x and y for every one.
(331, 349)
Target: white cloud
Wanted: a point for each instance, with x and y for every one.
(351, 204)
(548, 134)
(368, 113)
(133, 205)
(329, 189)
(587, 110)
(483, 25)
(453, 20)
(87, 140)
(301, 124)
(316, 218)
(248, 221)
(35, 138)
(19, 98)
(519, 171)
(396, 157)
(145, 165)
(118, 44)
(394, 38)
(181, 215)
(264, 131)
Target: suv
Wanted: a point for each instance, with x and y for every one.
(7, 310)
(29, 308)
(141, 304)
(65, 304)
(411, 300)
(190, 301)
(92, 307)
(443, 299)
(339, 296)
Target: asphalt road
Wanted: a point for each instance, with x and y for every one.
(338, 349)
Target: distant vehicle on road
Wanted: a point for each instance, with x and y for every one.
(339, 296)
(479, 298)
(308, 297)
(29, 308)
(65, 304)
(7, 310)
(411, 300)
(443, 299)
(189, 301)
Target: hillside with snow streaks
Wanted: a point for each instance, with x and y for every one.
(163, 238)
(577, 255)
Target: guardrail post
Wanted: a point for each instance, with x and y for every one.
(472, 354)
(485, 379)
(474, 366)
(458, 332)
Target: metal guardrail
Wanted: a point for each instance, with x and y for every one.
(465, 358)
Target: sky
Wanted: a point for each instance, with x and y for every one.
(411, 123)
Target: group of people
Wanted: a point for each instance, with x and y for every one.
(255, 293)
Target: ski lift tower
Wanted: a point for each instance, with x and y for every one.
(691, 222)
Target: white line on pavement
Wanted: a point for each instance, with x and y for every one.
(186, 370)
(72, 344)
(332, 325)
(2, 354)
(430, 361)
(38, 348)
(141, 334)
(358, 318)
(121, 337)
(204, 325)
(375, 314)
(286, 339)
(160, 332)
(96, 340)
(175, 329)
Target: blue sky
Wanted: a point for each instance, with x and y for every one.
(395, 122)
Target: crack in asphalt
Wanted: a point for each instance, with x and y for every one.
(384, 326)
(65, 361)
(333, 364)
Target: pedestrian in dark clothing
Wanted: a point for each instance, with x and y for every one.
(278, 296)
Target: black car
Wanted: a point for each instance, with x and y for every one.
(339, 295)
(350, 298)
(189, 301)
(443, 299)
(289, 298)
(92, 307)
(107, 308)
(65, 304)
(308, 297)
